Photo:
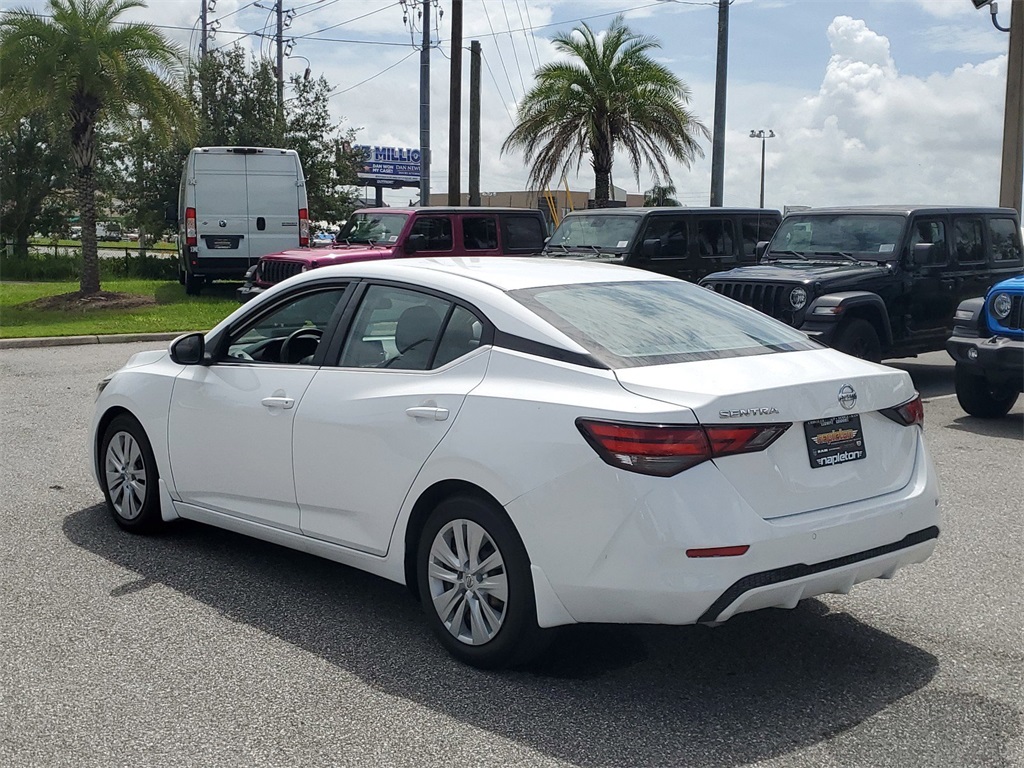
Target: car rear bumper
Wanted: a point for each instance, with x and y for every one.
(643, 573)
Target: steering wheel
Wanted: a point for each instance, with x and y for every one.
(287, 346)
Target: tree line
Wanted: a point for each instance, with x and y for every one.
(102, 129)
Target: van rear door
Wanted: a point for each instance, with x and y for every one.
(274, 201)
(221, 205)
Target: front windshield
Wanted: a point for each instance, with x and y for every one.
(601, 231)
(373, 228)
(868, 236)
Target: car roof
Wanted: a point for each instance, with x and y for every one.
(903, 210)
(506, 273)
(668, 211)
(477, 209)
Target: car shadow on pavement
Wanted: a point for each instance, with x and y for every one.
(760, 685)
(1009, 427)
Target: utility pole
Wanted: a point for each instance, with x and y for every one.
(1010, 189)
(202, 19)
(474, 122)
(425, 106)
(280, 57)
(455, 109)
(718, 133)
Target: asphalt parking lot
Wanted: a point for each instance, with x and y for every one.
(202, 648)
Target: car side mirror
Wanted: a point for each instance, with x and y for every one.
(188, 349)
(415, 243)
(651, 249)
(760, 249)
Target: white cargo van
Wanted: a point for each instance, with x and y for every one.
(236, 204)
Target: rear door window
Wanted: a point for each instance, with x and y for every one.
(715, 238)
(479, 233)
(967, 240)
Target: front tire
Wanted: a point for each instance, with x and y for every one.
(475, 585)
(979, 398)
(859, 338)
(129, 476)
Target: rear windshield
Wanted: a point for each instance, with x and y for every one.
(373, 228)
(631, 324)
(872, 236)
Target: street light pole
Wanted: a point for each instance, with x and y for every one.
(763, 137)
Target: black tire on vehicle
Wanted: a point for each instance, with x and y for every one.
(859, 338)
(129, 476)
(980, 398)
(475, 585)
(181, 274)
(193, 283)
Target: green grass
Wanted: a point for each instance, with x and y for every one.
(173, 311)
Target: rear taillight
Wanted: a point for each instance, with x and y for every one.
(664, 450)
(191, 234)
(303, 226)
(908, 414)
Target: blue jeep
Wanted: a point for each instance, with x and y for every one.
(988, 346)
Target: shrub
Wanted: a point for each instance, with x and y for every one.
(66, 264)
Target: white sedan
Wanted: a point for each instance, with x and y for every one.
(528, 443)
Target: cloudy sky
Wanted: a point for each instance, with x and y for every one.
(871, 101)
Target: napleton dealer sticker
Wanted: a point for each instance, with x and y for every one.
(834, 441)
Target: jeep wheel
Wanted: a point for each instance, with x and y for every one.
(980, 398)
(858, 338)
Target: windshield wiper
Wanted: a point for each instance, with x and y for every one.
(790, 253)
(844, 254)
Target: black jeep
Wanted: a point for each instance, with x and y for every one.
(880, 281)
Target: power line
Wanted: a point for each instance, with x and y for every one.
(342, 23)
(496, 88)
(534, 62)
(372, 77)
(497, 47)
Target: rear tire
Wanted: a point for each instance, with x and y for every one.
(193, 283)
(859, 338)
(129, 476)
(476, 587)
(181, 274)
(980, 398)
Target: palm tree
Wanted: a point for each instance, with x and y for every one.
(661, 195)
(82, 67)
(609, 93)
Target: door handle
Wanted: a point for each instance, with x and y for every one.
(278, 402)
(427, 412)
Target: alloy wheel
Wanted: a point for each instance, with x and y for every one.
(468, 582)
(125, 471)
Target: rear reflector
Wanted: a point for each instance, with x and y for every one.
(664, 450)
(908, 414)
(718, 551)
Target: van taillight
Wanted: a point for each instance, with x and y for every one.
(667, 449)
(303, 226)
(191, 235)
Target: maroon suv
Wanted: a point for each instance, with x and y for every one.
(392, 233)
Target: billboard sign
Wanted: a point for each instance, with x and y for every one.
(389, 164)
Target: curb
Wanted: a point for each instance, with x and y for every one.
(67, 341)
